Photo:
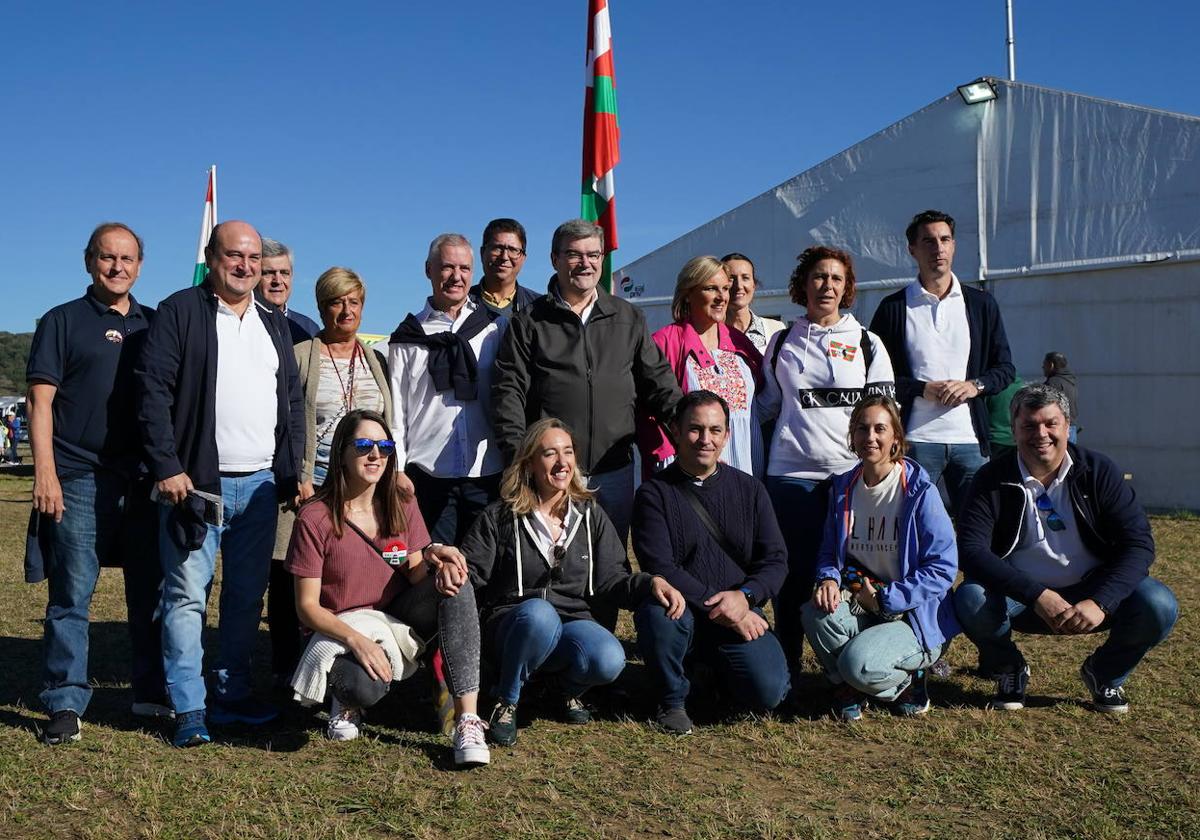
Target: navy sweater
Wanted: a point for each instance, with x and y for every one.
(670, 540)
(989, 359)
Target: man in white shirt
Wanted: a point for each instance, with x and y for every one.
(440, 373)
(221, 413)
(1052, 540)
(948, 349)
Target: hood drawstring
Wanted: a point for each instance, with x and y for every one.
(587, 524)
(517, 541)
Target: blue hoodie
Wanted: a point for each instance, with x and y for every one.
(928, 555)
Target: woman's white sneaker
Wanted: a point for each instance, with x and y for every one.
(470, 745)
(343, 722)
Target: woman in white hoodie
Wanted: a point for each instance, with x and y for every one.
(814, 373)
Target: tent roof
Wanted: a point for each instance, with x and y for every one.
(1036, 179)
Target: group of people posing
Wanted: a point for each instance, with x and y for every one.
(471, 494)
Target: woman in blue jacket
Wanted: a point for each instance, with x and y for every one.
(881, 612)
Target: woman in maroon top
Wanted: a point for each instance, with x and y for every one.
(360, 544)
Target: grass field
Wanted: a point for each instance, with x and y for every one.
(1056, 769)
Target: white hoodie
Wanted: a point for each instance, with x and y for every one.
(812, 387)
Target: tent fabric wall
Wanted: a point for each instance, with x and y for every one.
(1078, 214)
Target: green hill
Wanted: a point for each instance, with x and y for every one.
(14, 353)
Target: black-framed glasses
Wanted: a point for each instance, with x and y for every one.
(580, 256)
(363, 446)
(496, 248)
(1053, 521)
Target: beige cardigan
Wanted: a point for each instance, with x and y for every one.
(308, 359)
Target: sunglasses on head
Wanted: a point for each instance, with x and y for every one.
(559, 553)
(1053, 520)
(363, 446)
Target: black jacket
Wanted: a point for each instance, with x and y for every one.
(593, 568)
(1111, 524)
(177, 384)
(591, 376)
(989, 359)
(1064, 381)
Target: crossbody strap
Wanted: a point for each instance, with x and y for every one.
(693, 498)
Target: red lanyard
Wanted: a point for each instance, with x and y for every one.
(347, 389)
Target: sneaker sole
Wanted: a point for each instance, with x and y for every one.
(914, 711)
(341, 736)
(472, 756)
(1009, 706)
(1088, 679)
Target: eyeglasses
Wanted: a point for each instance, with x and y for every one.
(1053, 521)
(580, 256)
(496, 249)
(363, 446)
(559, 553)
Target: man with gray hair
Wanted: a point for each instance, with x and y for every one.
(440, 373)
(585, 357)
(275, 288)
(1052, 540)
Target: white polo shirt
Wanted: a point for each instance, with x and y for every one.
(446, 437)
(938, 341)
(247, 398)
(1052, 558)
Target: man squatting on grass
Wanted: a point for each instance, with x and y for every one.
(1052, 540)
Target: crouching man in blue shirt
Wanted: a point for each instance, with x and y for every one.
(711, 532)
(1052, 540)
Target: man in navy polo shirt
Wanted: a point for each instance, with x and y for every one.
(275, 288)
(89, 490)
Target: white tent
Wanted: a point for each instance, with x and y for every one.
(1081, 216)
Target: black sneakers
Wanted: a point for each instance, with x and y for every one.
(1010, 690)
(674, 721)
(63, 728)
(502, 726)
(1105, 698)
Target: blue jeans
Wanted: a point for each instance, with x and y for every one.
(800, 506)
(1139, 623)
(954, 463)
(531, 637)
(614, 493)
(754, 672)
(874, 656)
(104, 520)
(245, 539)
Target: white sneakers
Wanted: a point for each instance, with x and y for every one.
(470, 745)
(343, 721)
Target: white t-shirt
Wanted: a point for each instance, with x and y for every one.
(938, 341)
(247, 399)
(1054, 558)
(874, 536)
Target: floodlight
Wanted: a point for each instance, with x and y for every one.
(980, 90)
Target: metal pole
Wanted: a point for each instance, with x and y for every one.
(1012, 53)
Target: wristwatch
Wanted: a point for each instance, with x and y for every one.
(978, 383)
(750, 599)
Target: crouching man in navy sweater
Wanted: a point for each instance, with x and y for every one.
(711, 532)
(1052, 540)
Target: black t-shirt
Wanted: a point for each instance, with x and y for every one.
(88, 350)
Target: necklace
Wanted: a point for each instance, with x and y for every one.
(347, 386)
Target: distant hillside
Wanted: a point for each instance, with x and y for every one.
(14, 353)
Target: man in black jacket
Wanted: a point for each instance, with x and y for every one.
(1052, 540)
(948, 349)
(585, 357)
(1059, 375)
(221, 413)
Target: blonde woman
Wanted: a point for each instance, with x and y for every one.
(540, 557)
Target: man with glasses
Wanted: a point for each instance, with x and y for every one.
(440, 372)
(1052, 540)
(502, 256)
(579, 354)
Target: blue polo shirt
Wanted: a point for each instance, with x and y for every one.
(87, 350)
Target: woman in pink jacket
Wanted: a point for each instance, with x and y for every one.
(707, 354)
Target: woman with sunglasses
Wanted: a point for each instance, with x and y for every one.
(882, 612)
(542, 557)
(365, 574)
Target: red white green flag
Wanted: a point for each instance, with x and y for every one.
(601, 135)
(206, 226)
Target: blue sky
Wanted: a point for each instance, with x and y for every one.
(356, 132)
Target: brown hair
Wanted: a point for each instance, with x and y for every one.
(889, 405)
(516, 485)
(808, 261)
(388, 501)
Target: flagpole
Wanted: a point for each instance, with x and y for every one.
(601, 134)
